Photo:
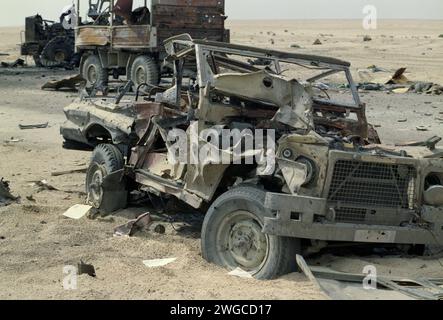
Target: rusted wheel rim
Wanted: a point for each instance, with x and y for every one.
(92, 74)
(95, 178)
(242, 242)
(140, 75)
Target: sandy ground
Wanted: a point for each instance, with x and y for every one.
(37, 242)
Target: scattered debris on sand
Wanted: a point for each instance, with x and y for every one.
(375, 78)
(422, 128)
(33, 126)
(71, 83)
(15, 64)
(130, 228)
(44, 185)
(13, 140)
(6, 198)
(367, 38)
(157, 263)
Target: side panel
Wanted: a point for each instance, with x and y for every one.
(133, 37)
(92, 36)
(202, 19)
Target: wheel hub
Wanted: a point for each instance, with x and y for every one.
(140, 75)
(92, 74)
(247, 244)
(96, 176)
(60, 56)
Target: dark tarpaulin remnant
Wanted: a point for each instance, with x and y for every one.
(130, 228)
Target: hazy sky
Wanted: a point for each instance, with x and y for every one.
(12, 12)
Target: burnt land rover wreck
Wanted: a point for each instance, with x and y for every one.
(332, 181)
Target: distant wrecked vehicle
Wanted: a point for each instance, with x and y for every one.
(280, 163)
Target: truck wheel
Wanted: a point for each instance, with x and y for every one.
(94, 73)
(106, 159)
(58, 52)
(145, 70)
(232, 236)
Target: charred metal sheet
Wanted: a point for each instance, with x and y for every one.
(131, 227)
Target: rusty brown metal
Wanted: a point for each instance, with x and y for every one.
(123, 8)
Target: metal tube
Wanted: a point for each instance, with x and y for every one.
(78, 13)
(111, 8)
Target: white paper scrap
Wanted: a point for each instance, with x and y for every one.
(156, 263)
(78, 211)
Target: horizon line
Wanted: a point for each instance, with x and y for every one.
(297, 19)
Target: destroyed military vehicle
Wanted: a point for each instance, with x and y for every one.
(120, 40)
(332, 180)
(48, 42)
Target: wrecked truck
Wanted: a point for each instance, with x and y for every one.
(331, 180)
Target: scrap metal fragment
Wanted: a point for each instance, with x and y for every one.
(130, 228)
(422, 128)
(83, 268)
(33, 126)
(71, 83)
(44, 185)
(431, 143)
(6, 198)
(421, 289)
(62, 173)
(301, 262)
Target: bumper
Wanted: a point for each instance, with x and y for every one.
(295, 218)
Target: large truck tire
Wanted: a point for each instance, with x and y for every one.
(58, 52)
(145, 69)
(105, 186)
(94, 73)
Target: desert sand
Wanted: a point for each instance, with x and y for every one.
(37, 242)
